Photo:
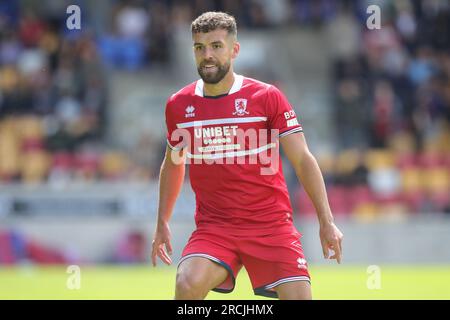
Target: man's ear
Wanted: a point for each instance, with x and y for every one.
(236, 48)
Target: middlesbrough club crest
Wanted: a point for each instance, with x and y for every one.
(240, 105)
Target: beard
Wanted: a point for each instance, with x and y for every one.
(213, 77)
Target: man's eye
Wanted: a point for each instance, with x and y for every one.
(217, 46)
(198, 48)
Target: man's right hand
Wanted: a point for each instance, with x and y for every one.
(161, 239)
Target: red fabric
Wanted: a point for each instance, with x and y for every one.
(231, 189)
(267, 259)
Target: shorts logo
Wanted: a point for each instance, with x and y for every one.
(301, 263)
(240, 105)
(190, 112)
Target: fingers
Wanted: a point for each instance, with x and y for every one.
(337, 253)
(158, 251)
(169, 247)
(154, 252)
(331, 239)
(339, 248)
(325, 250)
(163, 256)
(336, 247)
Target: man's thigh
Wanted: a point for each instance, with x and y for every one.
(212, 252)
(202, 272)
(296, 290)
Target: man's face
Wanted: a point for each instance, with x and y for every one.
(214, 52)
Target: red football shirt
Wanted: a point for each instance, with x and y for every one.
(232, 148)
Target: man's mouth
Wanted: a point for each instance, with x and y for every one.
(209, 67)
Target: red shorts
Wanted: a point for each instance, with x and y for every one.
(270, 260)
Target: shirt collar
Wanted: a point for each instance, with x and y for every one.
(237, 85)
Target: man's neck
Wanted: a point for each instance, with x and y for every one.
(222, 87)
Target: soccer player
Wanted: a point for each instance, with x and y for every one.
(223, 125)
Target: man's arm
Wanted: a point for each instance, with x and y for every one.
(310, 176)
(170, 182)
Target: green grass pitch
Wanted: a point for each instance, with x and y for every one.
(147, 282)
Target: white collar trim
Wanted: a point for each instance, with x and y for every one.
(237, 85)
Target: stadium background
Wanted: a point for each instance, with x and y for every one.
(82, 136)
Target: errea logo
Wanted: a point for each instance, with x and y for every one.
(301, 263)
(190, 112)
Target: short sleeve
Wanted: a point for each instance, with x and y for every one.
(174, 139)
(281, 114)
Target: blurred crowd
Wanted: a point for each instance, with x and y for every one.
(53, 101)
(19, 247)
(391, 90)
(392, 111)
(53, 81)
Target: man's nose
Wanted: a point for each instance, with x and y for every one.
(207, 53)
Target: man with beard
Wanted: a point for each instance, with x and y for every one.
(224, 125)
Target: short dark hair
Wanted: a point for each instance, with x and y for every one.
(213, 20)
